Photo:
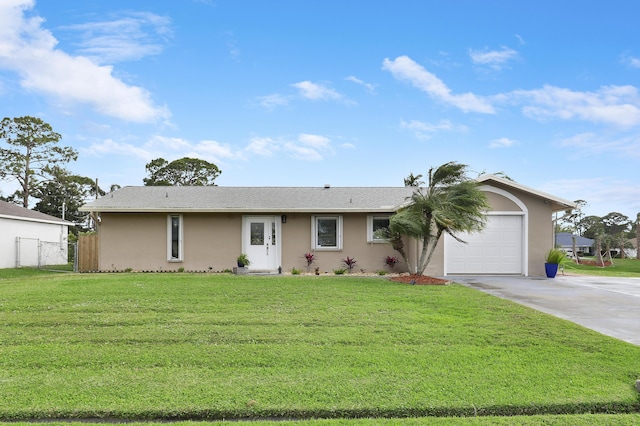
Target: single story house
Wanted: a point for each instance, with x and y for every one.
(152, 228)
(31, 238)
(565, 241)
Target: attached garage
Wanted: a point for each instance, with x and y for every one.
(497, 249)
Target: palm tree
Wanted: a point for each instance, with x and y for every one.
(450, 203)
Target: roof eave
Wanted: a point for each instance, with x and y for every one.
(240, 210)
(31, 219)
(557, 203)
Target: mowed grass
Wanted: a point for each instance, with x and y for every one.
(208, 346)
(620, 268)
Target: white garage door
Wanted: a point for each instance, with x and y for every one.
(497, 249)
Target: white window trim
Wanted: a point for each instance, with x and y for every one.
(314, 234)
(180, 238)
(370, 235)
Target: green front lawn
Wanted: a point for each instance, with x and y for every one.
(620, 268)
(207, 346)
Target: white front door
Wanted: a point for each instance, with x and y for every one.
(261, 242)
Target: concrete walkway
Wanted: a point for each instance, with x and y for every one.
(608, 305)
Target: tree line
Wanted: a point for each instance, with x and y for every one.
(31, 156)
(611, 231)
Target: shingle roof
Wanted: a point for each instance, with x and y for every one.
(14, 211)
(565, 239)
(276, 199)
(252, 199)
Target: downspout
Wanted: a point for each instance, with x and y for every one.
(415, 259)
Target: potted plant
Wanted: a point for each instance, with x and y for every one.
(554, 258)
(243, 260)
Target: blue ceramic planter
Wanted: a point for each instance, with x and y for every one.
(551, 269)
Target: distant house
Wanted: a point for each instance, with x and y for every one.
(564, 240)
(631, 252)
(30, 238)
(153, 228)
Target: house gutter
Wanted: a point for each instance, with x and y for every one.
(238, 210)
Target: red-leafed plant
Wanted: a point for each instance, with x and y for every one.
(310, 258)
(391, 261)
(350, 262)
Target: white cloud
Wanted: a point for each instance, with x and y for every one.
(495, 59)
(262, 146)
(306, 146)
(108, 146)
(422, 130)
(631, 61)
(271, 101)
(370, 87)
(306, 90)
(164, 142)
(216, 150)
(590, 144)
(129, 37)
(502, 143)
(315, 141)
(29, 50)
(404, 68)
(232, 45)
(315, 91)
(303, 152)
(167, 148)
(617, 105)
(309, 147)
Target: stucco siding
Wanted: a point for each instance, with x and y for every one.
(539, 236)
(212, 241)
(540, 233)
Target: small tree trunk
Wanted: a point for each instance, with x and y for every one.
(422, 261)
(428, 251)
(599, 260)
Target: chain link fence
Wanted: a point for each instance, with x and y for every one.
(35, 253)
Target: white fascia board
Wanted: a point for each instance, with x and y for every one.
(30, 219)
(524, 188)
(239, 210)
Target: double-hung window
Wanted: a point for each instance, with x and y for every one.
(376, 224)
(174, 238)
(326, 232)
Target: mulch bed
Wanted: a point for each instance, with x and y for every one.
(593, 263)
(419, 280)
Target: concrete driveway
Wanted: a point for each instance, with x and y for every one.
(608, 305)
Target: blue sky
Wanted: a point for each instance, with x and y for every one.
(349, 93)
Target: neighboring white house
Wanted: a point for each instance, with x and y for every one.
(30, 238)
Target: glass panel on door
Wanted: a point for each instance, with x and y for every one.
(257, 234)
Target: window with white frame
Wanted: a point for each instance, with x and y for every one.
(174, 238)
(326, 232)
(375, 224)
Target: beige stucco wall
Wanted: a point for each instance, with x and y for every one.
(213, 241)
(139, 241)
(370, 257)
